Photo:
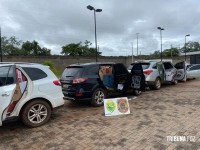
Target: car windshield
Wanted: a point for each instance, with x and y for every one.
(72, 72)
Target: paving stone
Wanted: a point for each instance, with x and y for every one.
(171, 111)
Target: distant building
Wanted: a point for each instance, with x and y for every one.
(194, 57)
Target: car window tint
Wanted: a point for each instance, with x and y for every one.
(168, 65)
(72, 72)
(145, 65)
(91, 70)
(34, 73)
(179, 65)
(120, 69)
(6, 75)
(197, 67)
(154, 66)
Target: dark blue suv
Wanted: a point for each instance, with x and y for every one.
(93, 81)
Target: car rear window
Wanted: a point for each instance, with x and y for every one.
(145, 65)
(34, 73)
(72, 72)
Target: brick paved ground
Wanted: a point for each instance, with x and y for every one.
(171, 111)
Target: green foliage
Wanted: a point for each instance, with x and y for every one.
(51, 66)
(33, 48)
(191, 47)
(79, 49)
(12, 46)
(171, 52)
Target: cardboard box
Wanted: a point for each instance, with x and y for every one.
(106, 70)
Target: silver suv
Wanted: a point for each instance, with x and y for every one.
(28, 91)
(157, 73)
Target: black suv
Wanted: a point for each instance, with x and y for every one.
(93, 81)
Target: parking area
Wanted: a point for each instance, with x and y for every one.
(158, 120)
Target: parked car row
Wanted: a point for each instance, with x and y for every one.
(94, 81)
(31, 91)
(157, 73)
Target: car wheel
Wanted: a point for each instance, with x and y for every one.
(98, 96)
(36, 113)
(137, 92)
(157, 84)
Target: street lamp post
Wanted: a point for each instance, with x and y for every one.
(185, 44)
(95, 10)
(159, 28)
(1, 53)
(137, 42)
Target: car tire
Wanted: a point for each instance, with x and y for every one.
(156, 85)
(137, 92)
(36, 113)
(98, 96)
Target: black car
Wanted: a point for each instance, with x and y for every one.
(93, 81)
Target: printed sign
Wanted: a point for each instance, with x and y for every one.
(116, 106)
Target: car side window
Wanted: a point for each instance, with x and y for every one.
(197, 67)
(91, 70)
(34, 73)
(168, 65)
(154, 66)
(6, 75)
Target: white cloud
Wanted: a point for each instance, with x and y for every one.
(57, 23)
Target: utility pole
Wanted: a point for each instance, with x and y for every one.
(137, 42)
(171, 51)
(0, 47)
(132, 50)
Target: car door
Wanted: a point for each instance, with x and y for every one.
(7, 88)
(181, 71)
(193, 72)
(138, 77)
(161, 70)
(121, 77)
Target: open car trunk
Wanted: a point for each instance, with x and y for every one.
(117, 78)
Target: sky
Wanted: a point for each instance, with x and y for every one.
(55, 23)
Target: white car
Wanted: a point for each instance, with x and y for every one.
(193, 71)
(187, 71)
(157, 72)
(29, 91)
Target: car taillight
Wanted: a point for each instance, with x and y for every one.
(80, 80)
(57, 82)
(148, 72)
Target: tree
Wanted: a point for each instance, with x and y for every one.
(191, 47)
(78, 49)
(33, 48)
(73, 49)
(170, 52)
(10, 46)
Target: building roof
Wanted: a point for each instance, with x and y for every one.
(190, 53)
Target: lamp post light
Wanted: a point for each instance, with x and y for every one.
(185, 44)
(95, 10)
(159, 28)
(137, 42)
(1, 53)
